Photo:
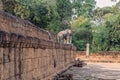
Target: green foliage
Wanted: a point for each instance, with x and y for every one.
(9, 5)
(64, 9)
(79, 22)
(107, 36)
(82, 33)
(21, 11)
(84, 7)
(80, 44)
(100, 38)
(115, 34)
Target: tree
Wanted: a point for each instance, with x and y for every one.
(81, 26)
(64, 9)
(115, 35)
(82, 33)
(84, 7)
(9, 5)
(108, 29)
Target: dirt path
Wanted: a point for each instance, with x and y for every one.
(96, 71)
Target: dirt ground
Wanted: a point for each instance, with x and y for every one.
(96, 71)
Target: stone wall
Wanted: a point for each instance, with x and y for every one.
(108, 56)
(12, 24)
(28, 53)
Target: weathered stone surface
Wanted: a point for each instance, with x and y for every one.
(22, 27)
(96, 71)
(28, 52)
(106, 57)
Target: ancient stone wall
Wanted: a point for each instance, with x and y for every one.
(27, 53)
(108, 56)
(12, 24)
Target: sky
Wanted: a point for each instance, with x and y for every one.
(105, 3)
